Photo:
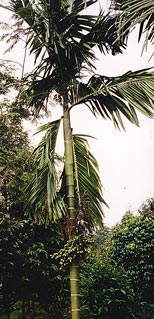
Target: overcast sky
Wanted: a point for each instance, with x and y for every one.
(126, 159)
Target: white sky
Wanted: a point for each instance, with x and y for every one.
(126, 159)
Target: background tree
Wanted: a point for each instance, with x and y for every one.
(105, 289)
(15, 153)
(29, 273)
(133, 248)
(14, 146)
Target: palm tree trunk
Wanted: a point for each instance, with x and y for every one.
(74, 267)
(75, 292)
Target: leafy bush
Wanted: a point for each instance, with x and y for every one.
(133, 247)
(105, 290)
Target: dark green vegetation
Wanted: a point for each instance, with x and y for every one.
(29, 273)
(133, 247)
(116, 278)
(62, 37)
(14, 154)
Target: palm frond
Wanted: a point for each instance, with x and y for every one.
(135, 12)
(79, 5)
(46, 195)
(115, 97)
(104, 34)
(64, 40)
(87, 181)
(44, 201)
(88, 187)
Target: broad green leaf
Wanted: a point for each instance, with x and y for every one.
(89, 197)
(42, 192)
(117, 97)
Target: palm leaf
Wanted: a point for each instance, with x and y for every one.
(65, 39)
(87, 180)
(135, 12)
(42, 193)
(88, 194)
(115, 97)
(103, 34)
(79, 5)
(46, 198)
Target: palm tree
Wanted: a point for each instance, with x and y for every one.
(62, 36)
(75, 201)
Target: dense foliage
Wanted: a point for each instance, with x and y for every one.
(14, 163)
(116, 273)
(28, 270)
(106, 292)
(133, 247)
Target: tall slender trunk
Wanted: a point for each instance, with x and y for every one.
(74, 267)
